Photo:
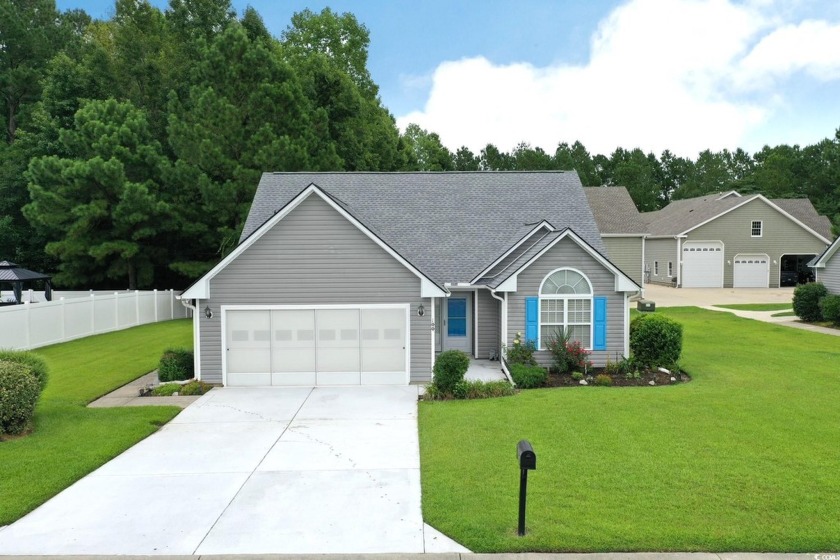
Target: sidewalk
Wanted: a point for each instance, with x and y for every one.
(767, 317)
(129, 395)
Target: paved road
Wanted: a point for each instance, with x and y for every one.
(252, 471)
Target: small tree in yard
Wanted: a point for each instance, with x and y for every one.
(806, 301)
(655, 340)
(450, 368)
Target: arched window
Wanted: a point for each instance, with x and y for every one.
(566, 305)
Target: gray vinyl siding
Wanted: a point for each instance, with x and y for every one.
(626, 254)
(567, 253)
(830, 275)
(314, 256)
(780, 236)
(489, 326)
(663, 251)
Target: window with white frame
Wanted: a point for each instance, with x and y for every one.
(670, 269)
(656, 268)
(755, 228)
(566, 305)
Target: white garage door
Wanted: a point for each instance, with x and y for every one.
(751, 271)
(702, 265)
(347, 346)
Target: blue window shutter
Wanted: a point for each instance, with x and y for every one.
(600, 327)
(532, 319)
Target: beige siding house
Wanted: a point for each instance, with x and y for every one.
(622, 229)
(728, 240)
(362, 278)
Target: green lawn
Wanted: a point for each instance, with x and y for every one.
(744, 457)
(70, 440)
(757, 306)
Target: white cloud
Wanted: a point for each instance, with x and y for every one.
(685, 75)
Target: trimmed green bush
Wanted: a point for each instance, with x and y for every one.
(450, 367)
(176, 364)
(603, 380)
(166, 390)
(830, 308)
(19, 390)
(528, 377)
(482, 390)
(194, 388)
(35, 363)
(806, 301)
(655, 340)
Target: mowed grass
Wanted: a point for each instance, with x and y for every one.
(70, 440)
(757, 306)
(742, 458)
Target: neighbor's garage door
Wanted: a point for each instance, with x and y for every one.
(751, 271)
(702, 264)
(348, 346)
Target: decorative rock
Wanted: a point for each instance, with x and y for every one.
(651, 382)
(583, 382)
(673, 378)
(665, 371)
(175, 394)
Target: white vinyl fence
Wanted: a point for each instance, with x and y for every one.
(32, 325)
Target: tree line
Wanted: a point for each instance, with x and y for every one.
(133, 145)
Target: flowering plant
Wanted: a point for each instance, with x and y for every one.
(521, 351)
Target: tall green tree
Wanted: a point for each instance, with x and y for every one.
(427, 151)
(104, 208)
(577, 157)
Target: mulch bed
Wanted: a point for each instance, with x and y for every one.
(658, 377)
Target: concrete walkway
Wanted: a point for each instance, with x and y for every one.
(252, 471)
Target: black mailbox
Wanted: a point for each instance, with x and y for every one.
(526, 455)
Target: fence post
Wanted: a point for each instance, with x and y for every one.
(137, 307)
(92, 312)
(116, 310)
(155, 300)
(63, 320)
(28, 308)
(171, 304)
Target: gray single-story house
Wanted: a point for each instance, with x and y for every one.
(622, 229)
(826, 267)
(361, 278)
(726, 240)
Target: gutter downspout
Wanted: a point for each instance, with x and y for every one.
(503, 334)
(196, 335)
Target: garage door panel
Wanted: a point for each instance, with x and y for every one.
(751, 271)
(383, 342)
(249, 343)
(383, 378)
(702, 264)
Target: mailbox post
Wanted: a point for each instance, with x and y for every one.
(527, 462)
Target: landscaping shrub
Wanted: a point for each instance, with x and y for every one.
(482, 390)
(36, 364)
(176, 364)
(603, 380)
(806, 301)
(19, 390)
(830, 308)
(521, 352)
(528, 377)
(567, 354)
(166, 390)
(655, 340)
(450, 368)
(194, 388)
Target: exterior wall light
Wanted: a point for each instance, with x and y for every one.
(421, 310)
(208, 312)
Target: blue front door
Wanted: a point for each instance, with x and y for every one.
(457, 324)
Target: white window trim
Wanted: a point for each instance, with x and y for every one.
(565, 298)
(760, 228)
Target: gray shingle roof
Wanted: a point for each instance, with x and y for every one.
(682, 215)
(614, 210)
(449, 225)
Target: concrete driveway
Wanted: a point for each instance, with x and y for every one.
(252, 471)
(665, 296)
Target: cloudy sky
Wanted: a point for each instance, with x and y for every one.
(683, 75)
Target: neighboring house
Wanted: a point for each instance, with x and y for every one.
(360, 278)
(827, 267)
(622, 229)
(728, 240)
